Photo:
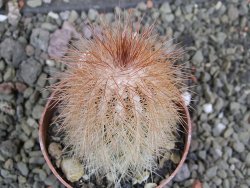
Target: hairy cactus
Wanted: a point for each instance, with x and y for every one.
(118, 100)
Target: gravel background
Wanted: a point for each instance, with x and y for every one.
(215, 35)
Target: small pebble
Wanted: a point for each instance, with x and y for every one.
(208, 108)
(72, 169)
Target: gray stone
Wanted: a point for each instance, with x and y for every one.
(8, 148)
(218, 129)
(165, 8)
(58, 44)
(39, 38)
(9, 75)
(29, 144)
(12, 51)
(219, 104)
(50, 180)
(239, 147)
(198, 57)
(7, 108)
(233, 13)
(202, 154)
(222, 173)
(206, 77)
(48, 26)
(87, 32)
(183, 174)
(34, 3)
(30, 70)
(23, 168)
(221, 37)
(8, 165)
(28, 92)
(228, 132)
(92, 14)
(14, 15)
(29, 50)
(72, 169)
(42, 80)
(7, 174)
(2, 65)
(34, 97)
(36, 160)
(167, 17)
(211, 172)
(42, 175)
(37, 111)
(235, 106)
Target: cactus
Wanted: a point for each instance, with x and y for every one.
(118, 100)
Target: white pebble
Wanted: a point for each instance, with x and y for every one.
(218, 5)
(221, 127)
(221, 115)
(208, 108)
(47, 1)
(53, 15)
(3, 18)
(72, 169)
(50, 63)
(150, 185)
(186, 97)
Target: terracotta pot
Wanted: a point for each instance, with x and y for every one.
(46, 120)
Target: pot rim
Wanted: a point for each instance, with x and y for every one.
(47, 115)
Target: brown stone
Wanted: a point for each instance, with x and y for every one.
(6, 88)
(197, 184)
(20, 87)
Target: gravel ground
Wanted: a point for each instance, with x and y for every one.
(215, 35)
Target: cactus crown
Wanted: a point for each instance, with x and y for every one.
(118, 100)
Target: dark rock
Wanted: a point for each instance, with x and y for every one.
(233, 13)
(37, 112)
(30, 70)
